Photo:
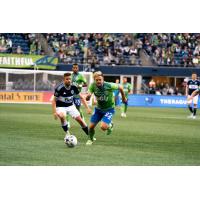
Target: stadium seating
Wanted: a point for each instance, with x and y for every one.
(17, 40)
(93, 48)
(172, 49)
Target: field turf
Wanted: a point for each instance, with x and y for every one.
(148, 136)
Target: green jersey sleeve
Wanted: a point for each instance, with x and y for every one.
(83, 79)
(114, 86)
(129, 87)
(91, 88)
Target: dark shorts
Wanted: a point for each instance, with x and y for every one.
(104, 116)
(77, 102)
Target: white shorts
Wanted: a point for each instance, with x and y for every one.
(194, 100)
(71, 110)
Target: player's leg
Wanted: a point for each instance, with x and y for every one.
(189, 103)
(94, 120)
(77, 102)
(76, 115)
(195, 102)
(68, 121)
(125, 108)
(106, 124)
(122, 109)
(61, 112)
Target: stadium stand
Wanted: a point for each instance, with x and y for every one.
(92, 48)
(20, 43)
(166, 49)
(172, 49)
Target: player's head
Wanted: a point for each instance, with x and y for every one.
(98, 78)
(194, 76)
(124, 79)
(67, 79)
(75, 68)
(117, 81)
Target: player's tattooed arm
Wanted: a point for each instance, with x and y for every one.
(124, 100)
(88, 96)
(89, 111)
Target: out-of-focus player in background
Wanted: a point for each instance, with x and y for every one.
(192, 85)
(79, 81)
(104, 110)
(127, 87)
(116, 94)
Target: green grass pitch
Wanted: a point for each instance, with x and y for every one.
(148, 136)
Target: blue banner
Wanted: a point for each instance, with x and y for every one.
(158, 101)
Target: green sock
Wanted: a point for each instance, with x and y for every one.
(67, 118)
(91, 134)
(123, 108)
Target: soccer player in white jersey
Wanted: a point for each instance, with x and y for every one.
(191, 86)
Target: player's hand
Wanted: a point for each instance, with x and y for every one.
(55, 116)
(89, 111)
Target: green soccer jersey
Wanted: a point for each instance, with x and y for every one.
(78, 80)
(104, 94)
(127, 88)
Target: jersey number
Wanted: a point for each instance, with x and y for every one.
(108, 115)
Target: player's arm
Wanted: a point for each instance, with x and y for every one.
(88, 96)
(89, 93)
(89, 111)
(124, 100)
(130, 89)
(84, 82)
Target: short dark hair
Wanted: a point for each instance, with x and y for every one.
(67, 74)
(75, 64)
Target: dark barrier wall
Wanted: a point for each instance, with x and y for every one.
(144, 71)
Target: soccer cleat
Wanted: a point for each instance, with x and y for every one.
(194, 117)
(94, 139)
(190, 116)
(123, 114)
(110, 129)
(89, 142)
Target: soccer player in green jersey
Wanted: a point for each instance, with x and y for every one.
(127, 90)
(79, 81)
(104, 110)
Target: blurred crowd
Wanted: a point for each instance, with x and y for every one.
(17, 43)
(176, 49)
(179, 49)
(165, 88)
(93, 48)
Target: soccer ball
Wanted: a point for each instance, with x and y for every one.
(71, 141)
